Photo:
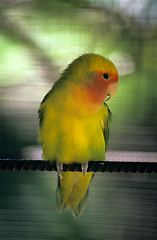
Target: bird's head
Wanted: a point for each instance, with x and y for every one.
(96, 76)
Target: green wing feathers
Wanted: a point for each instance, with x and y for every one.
(41, 109)
(106, 125)
(41, 116)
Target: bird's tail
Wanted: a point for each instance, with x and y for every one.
(72, 191)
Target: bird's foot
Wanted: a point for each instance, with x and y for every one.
(59, 167)
(84, 167)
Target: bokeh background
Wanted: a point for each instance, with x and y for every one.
(37, 41)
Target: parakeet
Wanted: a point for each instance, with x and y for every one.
(74, 121)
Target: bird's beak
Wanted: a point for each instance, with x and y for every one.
(111, 91)
(108, 97)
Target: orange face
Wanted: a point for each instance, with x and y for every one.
(103, 86)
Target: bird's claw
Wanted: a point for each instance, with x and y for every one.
(84, 167)
(59, 167)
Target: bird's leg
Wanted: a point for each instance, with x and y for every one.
(59, 167)
(84, 167)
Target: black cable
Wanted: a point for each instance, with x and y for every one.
(107, 166)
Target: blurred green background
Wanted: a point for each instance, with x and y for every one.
(37, 41)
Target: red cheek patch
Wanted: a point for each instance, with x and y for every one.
(98, 90)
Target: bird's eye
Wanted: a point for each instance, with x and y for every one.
(106, 76)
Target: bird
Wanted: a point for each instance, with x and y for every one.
(74, 122)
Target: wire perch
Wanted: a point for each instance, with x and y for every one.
(107, 166)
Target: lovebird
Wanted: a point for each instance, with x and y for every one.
(74, 124)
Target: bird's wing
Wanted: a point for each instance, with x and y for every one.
(41, 115)
(42, 105)
(41, 109)
(106, 124)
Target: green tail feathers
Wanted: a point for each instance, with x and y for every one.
(71, 193)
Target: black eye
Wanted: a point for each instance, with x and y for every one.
(106, 76)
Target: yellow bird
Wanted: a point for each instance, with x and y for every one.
(74, 122)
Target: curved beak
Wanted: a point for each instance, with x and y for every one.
(108, 97)
(111, 91)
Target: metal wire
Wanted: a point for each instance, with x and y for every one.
(107, 166)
